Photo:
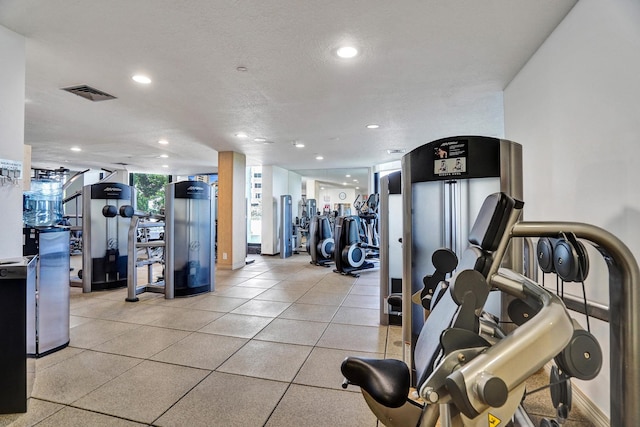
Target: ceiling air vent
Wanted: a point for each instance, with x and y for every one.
(89, 93)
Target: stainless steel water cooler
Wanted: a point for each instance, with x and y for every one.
(48, 303)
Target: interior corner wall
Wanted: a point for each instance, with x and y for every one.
(574, 108)
(275, 182)
(239, 247)
(12, 88)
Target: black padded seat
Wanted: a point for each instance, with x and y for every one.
(386, 380)
(491, 221)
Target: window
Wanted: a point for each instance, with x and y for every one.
(257, 185)
(149, 191)
(257, 174)
(258, 195)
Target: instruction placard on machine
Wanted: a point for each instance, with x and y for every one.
(450, 158)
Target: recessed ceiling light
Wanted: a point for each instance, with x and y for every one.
(347, 52)
(76, 149)
(355, 180)
(298, 144)
(259, 139)
(318, 157)
(373, 126)
(344, 183)
(163, 142)
(242, 135)
(165, 166)
(322, 188)
(242, 69)
(357, 188)
(139, 78)
(164, 156)
(348, 176)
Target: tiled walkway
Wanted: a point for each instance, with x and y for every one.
(264, 349)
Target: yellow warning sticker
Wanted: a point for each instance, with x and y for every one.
(494, 421)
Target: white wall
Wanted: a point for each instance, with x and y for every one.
(275, 183)
(575, 109)
(12, 87)
(331, 196)
(295, 190)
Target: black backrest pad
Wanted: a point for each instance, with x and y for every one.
(491, 221)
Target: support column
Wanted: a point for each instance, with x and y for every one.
(232, 210)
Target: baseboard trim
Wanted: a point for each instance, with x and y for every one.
(590, 409)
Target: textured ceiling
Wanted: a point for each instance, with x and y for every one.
(427, 69)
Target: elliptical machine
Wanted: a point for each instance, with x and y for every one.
(350, 255)
(357, 239)
(320, 242)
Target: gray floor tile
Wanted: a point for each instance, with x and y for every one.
(322, 368)
(268, 360)
(37, 410)
(259, 282)
(143, 342)
(357, 316)
(187, 319)
(241, 292)
(154, 386)
(204, 351)
(292, 332)
(227, 401)
(322, 298)
(362, 301)
(237, 325)
(359, 289)
(73, 417)
(357, 338)
(73, 378)
(51, 359)
(303, 406)
(77, 320)
(312, 312)
(262, 308)
(91, 334)
(282, 295)
(395, 344)
(301, 285)
(332, 287)
(218, 303)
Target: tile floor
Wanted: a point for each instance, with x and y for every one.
(264, 349)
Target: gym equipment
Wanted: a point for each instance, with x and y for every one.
(357, 239)
(312, 208)
(350, 254)
(104, 235)
(286, 227)
(320, 242)
(17, 282)
(153, 249)
(390, 247)
(189, 239)
(480, 383)
(440, 203)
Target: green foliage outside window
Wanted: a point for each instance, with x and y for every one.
(150, 191)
